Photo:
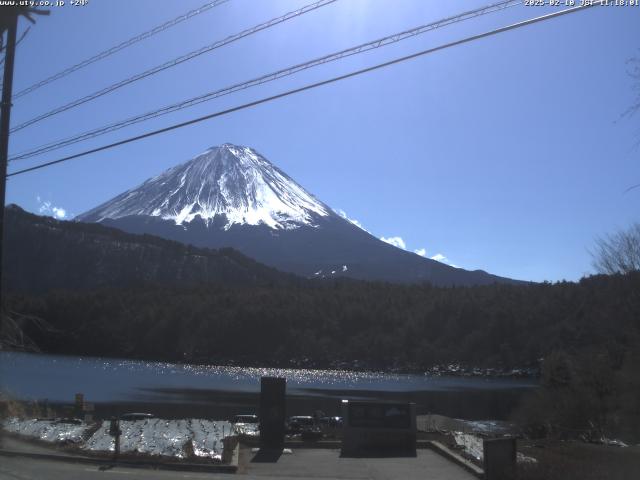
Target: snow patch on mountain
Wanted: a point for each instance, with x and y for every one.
(231, 181)
(355, 222)
(395, 241)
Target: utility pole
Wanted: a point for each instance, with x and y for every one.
(9, 22)
(5, 116)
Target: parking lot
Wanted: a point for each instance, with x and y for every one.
(327, 464)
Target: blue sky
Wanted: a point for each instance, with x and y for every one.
(506, 154)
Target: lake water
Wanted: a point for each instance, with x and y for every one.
(103, 380)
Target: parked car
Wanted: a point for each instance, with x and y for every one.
(299, 423)
(313, 433)
(246, 419)
(331, 422)
(247, 425)
(136, 416)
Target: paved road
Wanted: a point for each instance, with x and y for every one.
(16, 468)
(321, 463)
(301, 464)
(327, 464)
(15, 444)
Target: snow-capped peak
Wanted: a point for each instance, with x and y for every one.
(231, 181)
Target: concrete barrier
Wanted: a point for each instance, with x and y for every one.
(272, 412)
(499, 458)
(378, 429)
(229, 445)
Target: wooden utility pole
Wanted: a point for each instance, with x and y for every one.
(9, 22)
(5, 117)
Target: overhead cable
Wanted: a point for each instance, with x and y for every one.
(172, 63)
(127, 43)
(306, 87)
(375, 44)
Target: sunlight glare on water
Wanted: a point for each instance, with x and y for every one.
(34, 376)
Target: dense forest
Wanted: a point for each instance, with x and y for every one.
(42, 253)
(85, 289)
(344, 323)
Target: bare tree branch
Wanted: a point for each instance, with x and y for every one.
(618, 252)
(633, 70)
(12, 331)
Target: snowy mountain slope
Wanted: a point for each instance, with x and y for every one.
(231, 196)
(230, 181)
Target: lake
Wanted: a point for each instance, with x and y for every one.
(223, 390)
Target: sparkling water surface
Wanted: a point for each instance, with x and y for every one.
(58, 378)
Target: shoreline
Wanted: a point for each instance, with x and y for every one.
(225, 404)
(454, 370)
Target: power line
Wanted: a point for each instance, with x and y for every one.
(127, 43)
(308, 87)
(177, 61)
(2, 48)
(266, 78)
(22, 36)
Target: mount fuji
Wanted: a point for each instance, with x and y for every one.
(231, 196)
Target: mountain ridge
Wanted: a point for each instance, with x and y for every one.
(228, 180)
(43, 253)
(232, 196)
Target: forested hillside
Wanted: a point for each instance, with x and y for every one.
(42, 253)
(345, 323)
